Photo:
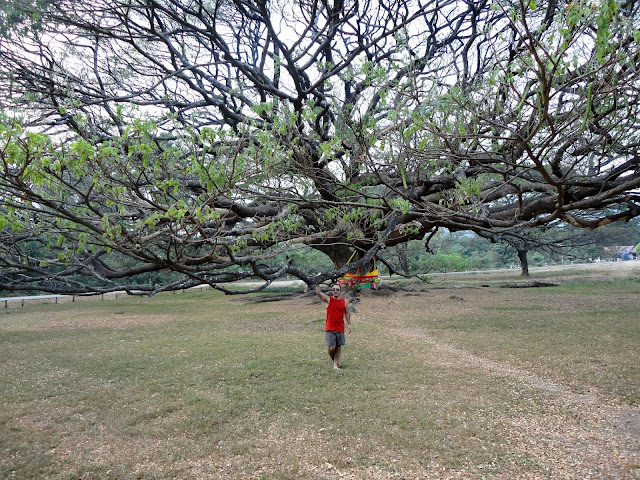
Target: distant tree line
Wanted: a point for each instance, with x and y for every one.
(461, 251)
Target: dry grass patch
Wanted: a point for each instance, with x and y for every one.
(451, 383)
(64, 321)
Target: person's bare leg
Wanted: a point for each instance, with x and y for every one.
(336, 358)
(332, 352)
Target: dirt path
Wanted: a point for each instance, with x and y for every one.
(579, 434)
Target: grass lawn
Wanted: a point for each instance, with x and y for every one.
(447, 382)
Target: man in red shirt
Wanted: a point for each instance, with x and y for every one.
(337, 313)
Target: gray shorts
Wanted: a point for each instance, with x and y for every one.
(332, 339)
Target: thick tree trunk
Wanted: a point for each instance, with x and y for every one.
(339, 254)
(524, 262)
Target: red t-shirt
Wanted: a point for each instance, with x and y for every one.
(335, 315)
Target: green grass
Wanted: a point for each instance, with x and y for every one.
(586, 333)
(199, 385)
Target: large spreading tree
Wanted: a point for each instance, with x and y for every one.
(209, 138)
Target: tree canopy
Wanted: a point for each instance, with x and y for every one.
(207, 137)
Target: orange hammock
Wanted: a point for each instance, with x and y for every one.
(358, 280)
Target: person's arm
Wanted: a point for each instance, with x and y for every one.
(324, 297)
(347, 315)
